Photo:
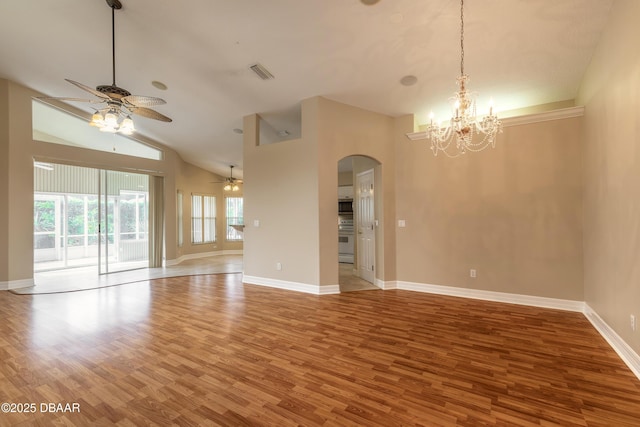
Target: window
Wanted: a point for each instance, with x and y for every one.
(180, 230)
(234, 217)
(203, 219)
(59, 127)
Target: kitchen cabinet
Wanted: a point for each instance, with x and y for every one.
(345, 192)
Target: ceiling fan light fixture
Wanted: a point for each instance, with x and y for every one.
(231, 183)
(97, 119)
(120, 103)
(111, 119)
(126, 127)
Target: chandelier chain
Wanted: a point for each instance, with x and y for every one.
(461, 37)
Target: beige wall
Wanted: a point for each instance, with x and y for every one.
(4, 181)
(281, 192)
(610, 92)
(20, 201)
(18, 151)
(345, 178)
(344, 131)
(291, 188)
(513, 213)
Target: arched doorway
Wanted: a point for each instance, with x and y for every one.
(358, 218)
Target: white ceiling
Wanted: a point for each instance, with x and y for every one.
(518, 52)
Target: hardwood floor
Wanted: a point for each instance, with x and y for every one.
(208, 350)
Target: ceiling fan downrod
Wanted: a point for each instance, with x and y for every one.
(113, 90)
(113, 4)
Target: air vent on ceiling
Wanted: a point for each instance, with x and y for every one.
(262, 72)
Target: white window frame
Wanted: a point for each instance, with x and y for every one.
(203, 219)
(233, 235)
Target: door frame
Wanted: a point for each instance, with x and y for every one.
(364, 273)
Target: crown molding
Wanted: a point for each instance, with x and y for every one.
(560, 114)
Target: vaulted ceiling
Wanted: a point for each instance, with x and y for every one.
(518, 52)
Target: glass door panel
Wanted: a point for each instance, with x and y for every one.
(124, 223)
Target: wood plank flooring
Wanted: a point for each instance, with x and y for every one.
(208, 350)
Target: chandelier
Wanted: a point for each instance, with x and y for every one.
(456, 138)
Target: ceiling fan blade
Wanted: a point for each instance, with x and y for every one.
(143, 101)
(90, 90)
(149, 113)
(57, 98)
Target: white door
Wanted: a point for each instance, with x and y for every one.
(365, 224)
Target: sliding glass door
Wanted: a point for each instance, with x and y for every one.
(90, 218)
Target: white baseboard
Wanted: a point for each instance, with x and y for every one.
(391, 284)
(379, 283)
(171, 262)
(291, 286)
(560, 304)
(626, 353)
(16, 284)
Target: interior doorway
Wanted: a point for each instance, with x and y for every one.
(89, 218)
(357, 223)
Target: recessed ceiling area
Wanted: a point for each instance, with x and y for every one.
(519, 53)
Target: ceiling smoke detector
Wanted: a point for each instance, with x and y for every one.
(159, 85)
(408, 80)
(262, 72)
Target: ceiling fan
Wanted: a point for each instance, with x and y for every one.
(230, 183)
(115, 116)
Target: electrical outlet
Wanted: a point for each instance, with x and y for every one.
(278, 266)
(632, 320)
(472, 273)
